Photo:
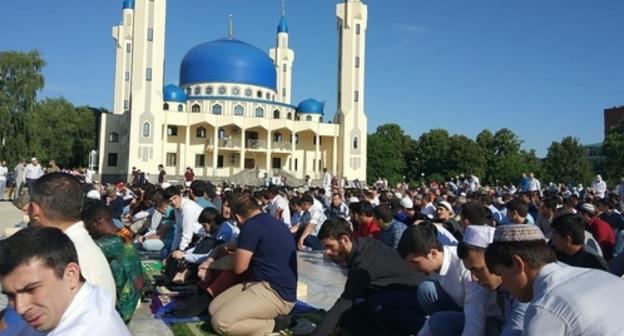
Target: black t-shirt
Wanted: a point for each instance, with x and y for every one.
(161, 176)
(274, 257)
(583, 258)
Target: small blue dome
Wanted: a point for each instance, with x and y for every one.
(128, 4)
(172, 92)
(229, 61)
(311, 106)
(282, 27)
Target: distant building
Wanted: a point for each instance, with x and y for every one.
(612, 116)
(231, 109)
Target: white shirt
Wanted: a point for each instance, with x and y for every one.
(186, 218)
(477, 302)
(33, 171)
(600, 187)
(315, 215)
(4, 171)
(327, 178)
(93, 264)
(280, 202)
(575, 301)
(92, 313)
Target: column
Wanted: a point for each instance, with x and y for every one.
(293, 150)
(187, 143)
(335, 157)
(317, 155)
(269, 163)
(215, 150)
(242, 152)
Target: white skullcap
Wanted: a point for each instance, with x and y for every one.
(165, 185)
(447, 205)
(94, 194)
(406, 203)
(479, 235)
(354, 200)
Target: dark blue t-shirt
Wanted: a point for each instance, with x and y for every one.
(274, 257)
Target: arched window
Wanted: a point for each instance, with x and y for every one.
(309, 118)
(222, 90)
(166, 107)
(259, 94)
(259, 112)
(113, 137)
(355, 142)
(277, 137)
(209, 90)
(239, 110)
(196, 108)
(267, 96)
(200, 132)
(276, 114)
(221, 133)
(146, 130)
(197, 90)
(289, 115)
(180, 108)
(188, 91)
(217, 109)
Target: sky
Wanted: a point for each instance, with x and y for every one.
(545, 69)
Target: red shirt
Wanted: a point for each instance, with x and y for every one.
(604, 235)
(370, 229)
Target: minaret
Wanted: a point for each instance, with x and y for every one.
(147, 78)
(283, 58)
(352, 25)
(123, 36)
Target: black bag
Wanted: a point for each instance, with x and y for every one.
(206, 244)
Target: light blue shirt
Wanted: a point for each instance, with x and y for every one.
(513, 312)
(574, 301)
(204, 203)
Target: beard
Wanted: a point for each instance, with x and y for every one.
(341, 256)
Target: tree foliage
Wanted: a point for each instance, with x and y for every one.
(613, 150)
(387, 149)
(566, 162)
(20, 80)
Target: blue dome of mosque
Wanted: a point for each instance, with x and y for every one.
(282, 27)
(128, 4)
(229, 61)
(311, 106)
(172, 92)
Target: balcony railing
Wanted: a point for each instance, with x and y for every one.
(256, 144)
(229, 143)
(281, 145)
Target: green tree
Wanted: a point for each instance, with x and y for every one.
(387, 149)
(613, 150)
(62, 132)
(505, 160)
(566, 162)
(465, 156)
(20, 80)
(430, 154)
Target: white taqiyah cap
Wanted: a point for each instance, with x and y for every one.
(94, 194)
(406, 203)
(479, 235)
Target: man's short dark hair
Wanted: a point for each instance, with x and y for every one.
(48, 244)
(519, 206)
(198, 188)
(550, 203)
(365, 208)
(535, 253)
(384, 213)
(244, 205)
(60, 196)
(474, 213)
(570, 225)
(170, 192)
(334, 228)
(419, 240)
(463, 250)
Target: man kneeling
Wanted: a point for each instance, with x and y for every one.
(266, 249)
(39, 273)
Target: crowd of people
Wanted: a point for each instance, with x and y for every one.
(453, 258)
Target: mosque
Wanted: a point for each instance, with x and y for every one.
(231, 111)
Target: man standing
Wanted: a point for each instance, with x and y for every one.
(56, 201)
(265, 249)
(162, 175)
(4, 173)
(563, 300)
(39, 272)
(599, 186)
(18, 173)
(32, 173)
(378, 277)
(327, 179)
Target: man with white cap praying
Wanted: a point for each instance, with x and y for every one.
(472, 253)
(563, 300)
(444, 215)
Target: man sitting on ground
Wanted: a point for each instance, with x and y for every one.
(39, 272)
(377, 274)
(564, 300)
(265, 248)
(568, 235)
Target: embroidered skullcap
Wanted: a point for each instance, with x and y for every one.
(517, 233)
(479, 235)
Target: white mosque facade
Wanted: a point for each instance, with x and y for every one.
(231, 110)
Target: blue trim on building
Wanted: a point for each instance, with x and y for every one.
(242, 99)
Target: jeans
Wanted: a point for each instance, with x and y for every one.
(397, 309)
(2, 187)
(432, 298)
